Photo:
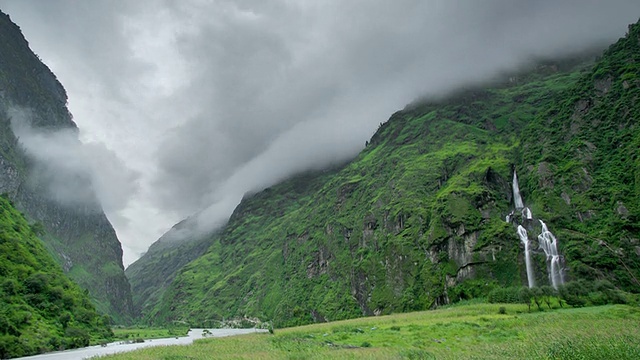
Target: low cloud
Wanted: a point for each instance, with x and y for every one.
(71, 172)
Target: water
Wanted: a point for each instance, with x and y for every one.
(118, 347)
(546, 240)
(522, 233)
(549, 245)
(517, 199)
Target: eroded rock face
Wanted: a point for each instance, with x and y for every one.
(10, 179)
(603, 86)
(545, 174)
(622, 210)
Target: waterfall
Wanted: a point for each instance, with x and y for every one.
(522, 232)
(517, 199)
(546, 241)
(549, 244)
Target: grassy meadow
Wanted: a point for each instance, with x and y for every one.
(471, 331)
(135, 333)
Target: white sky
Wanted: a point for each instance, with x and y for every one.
(202, 101)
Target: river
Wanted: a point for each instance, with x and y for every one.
(118, 347)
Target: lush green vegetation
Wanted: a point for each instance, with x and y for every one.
(150, 277)
(477, 331)
(416, 221)
(580, 165)
(40, 308)
(388, 232)
(138, 333)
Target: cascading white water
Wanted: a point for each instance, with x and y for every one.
(546, 240)
(522, 232)
(549, 244)
(517, 199)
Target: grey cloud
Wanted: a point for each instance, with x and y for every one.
(323, 67)
(89, 36)
(73, 173)
(211, 99)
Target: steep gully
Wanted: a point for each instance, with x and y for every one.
(546, 240)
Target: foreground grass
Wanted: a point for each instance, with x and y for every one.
(459, 332)
(145, 333)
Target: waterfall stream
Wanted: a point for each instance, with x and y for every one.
(549, 244)
(522, 233)
(517, 199)
(546, 241)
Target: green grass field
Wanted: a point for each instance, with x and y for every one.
(145, 333)
(472, 331)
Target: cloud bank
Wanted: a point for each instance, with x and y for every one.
(74, 173)
(210, 99)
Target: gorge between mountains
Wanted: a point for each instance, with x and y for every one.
(518, 189)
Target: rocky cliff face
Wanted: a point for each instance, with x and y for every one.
(80, 236)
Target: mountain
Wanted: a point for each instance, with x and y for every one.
(40, 308)
(78, 234)
(431, 212)
(151, 275)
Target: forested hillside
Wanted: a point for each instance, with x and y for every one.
(40, 308)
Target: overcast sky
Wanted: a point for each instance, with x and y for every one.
(198, 102)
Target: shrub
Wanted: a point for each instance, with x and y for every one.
(509, 295)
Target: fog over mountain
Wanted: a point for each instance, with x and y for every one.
(74, 173)
(198, 102)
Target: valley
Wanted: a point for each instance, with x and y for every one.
(497, 219)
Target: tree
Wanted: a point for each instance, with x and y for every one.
(524, 296)
(537, 296)
(547, 293)
(9, 347)
(77, 337)
(65, 319)
(561, 293)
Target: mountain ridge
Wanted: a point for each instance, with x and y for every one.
(75, 234)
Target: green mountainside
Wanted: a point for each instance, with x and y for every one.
(150, 277)
(581, 165)
(80, 237)
(417, 220)
(40, 308)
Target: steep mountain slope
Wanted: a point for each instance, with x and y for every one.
(582, 164)
(400, 228)
(150, 275)
(40, 308)
(418, 218)
(79, 236)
